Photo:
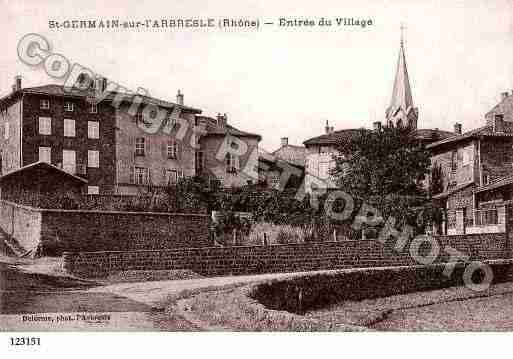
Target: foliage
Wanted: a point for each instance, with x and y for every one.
(386, 169)
(436, 184)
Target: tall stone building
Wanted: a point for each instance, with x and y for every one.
(49, 124)
(474, 173)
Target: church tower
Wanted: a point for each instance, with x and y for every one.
(401, 111)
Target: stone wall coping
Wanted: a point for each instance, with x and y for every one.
(310, 244)
(230, 247)
(49, 210)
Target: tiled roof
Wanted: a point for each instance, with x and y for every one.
(432, 134)
(343, 135)
(42, 165)
(292, 154)
(59, 90)
(503, 107)
(214, 130)
(452, 190)
(485, 131)
(504, 181)
(334, 137)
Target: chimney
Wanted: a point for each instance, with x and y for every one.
(284, 141)
(100, 84)
(498, 123)
(222, 120)
(327, 127)
(179, 98)
(504, 95)
(457, 128)
(377, 126)
(17, 83)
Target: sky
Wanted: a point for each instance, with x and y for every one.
(283, 81)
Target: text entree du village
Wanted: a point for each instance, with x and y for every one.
(183, 23)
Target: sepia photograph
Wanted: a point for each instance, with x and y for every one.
(248, 166)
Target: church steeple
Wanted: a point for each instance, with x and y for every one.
(401, 111)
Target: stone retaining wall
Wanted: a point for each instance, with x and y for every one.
(77, 231)
(281, 258)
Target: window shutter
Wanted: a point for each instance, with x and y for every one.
(236, 162)
(147, 146)
(164, 149)
(178, 147)
(132, 174)
(148, 176)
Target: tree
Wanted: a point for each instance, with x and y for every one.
(385, 169)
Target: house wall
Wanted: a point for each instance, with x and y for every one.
(497, 157)
(10, 147)
(463, 173)
(294, 154)
(212, 147)
(155, 158)
(313, 175)
(104, 176)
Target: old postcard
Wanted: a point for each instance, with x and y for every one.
(184, 166)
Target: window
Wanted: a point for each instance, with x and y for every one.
(7, 128)
(68, 106)
(44, 104)
(45, 126)
(93, 129)
(199, 160)
(93, 190)
(454, 164)
(139, 146)
(93, 159)
(172, 150)
(486, 179)
(138, 118)
(69, 161)
(465, 157)
(171, 176)
(94, 108)
(141, 175)
(324, 170)
(69, 128)
(45, 154)
(232, 163)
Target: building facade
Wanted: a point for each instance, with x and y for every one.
(98, 135)
(473, 173)
(60, 127)
(154, 157)
(225, 154)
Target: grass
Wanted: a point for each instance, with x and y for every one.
(233, 309)
(132, 276)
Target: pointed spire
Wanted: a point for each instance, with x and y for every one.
(401, 103)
